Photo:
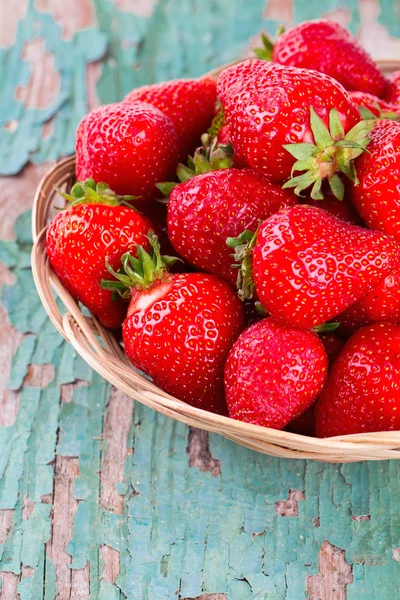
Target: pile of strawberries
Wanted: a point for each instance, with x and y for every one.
(260, 277)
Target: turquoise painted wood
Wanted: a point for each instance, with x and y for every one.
(182, 532)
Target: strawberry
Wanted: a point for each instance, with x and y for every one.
(308, 266)
(342, 209)
(94, 228)
(129, 146)
(362, 393)
(273, 373)
(326, 46)
(277, 114)
(333, 345)
(376, 198)
(370, 106)
(381, 304)
(179, 328)
(189, 103)
(305, 423)
(392, 91)
(208, 208)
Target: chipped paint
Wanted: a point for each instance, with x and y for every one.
(97, 504)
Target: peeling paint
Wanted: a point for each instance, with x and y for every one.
(198, 449)
(94, 504)
(79, 16)
(43, 85)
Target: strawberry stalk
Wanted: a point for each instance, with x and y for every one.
(368, 114)
(205, 159)
(333, 152)
(326, 327)
(243, 250)
(140, 272)
(90, 192)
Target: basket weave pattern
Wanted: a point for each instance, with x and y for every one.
(109, 360)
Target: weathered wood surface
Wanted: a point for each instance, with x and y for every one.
(105, 500)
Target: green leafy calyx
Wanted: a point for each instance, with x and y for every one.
(140, 272)
(90, 192)
(366, 113)
(205, 159)
(333, 152)
(243, 254)
(265, 52)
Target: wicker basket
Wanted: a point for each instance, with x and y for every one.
(108, 358)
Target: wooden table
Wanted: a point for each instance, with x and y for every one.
(104, 499)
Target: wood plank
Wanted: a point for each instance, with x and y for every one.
(154, 510)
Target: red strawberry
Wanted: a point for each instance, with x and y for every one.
(277, 114)
(370, 106)
(333, 345)
(362, 393)
(382, 304)
(392, 91)
(79, 240)
(273, 373)
(308, 266)
(129, 146)
(207, 209)
(376, 198)
(189, 103)
(326, 46)
(179, 328)
(305, 423)
(342, 209)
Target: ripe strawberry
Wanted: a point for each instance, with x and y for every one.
(129, 146)
(305, 423)
(392, 91)
(308, 266)
(189, 103)
(333, 345)
(342, 209)
(96, 227)
(381, 304)
(273, 373)
(370, 106)
(376, 198)
(277, 114)
(179, 328)
(207, 209)
(362, 392)
(326, 46)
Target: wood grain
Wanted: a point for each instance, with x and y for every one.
(138, 507)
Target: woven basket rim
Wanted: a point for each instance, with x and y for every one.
(82, 332)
